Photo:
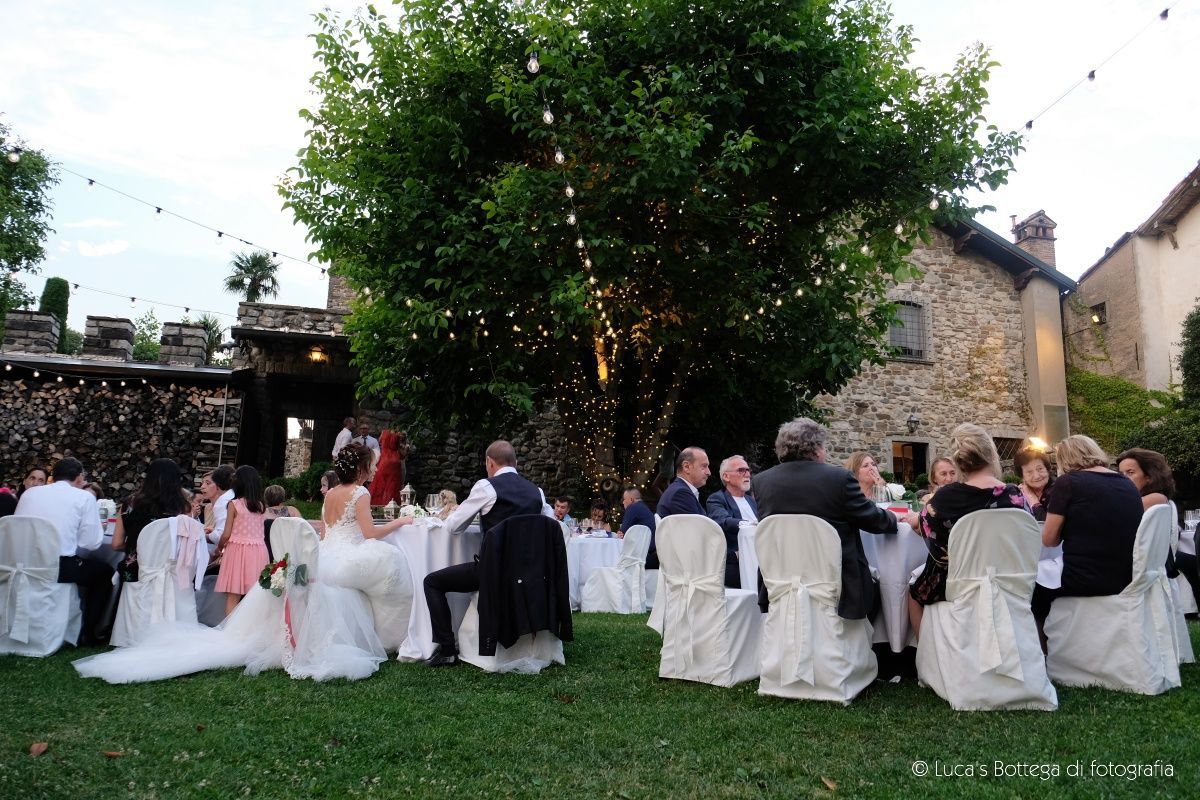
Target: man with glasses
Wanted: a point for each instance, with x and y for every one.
(731, 508)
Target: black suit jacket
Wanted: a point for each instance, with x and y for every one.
(723, 510)
(523, 584)
(676, 499)
(833, 494)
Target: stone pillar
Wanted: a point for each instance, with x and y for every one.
(1045, 364)
(30, 332)
(340, 294)
(182, 343)
(108, 337)
(1035, 235)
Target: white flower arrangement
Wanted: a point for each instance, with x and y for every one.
(279, 581)
(896, 491)
(416, 512)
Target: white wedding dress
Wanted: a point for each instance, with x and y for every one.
(333, 622)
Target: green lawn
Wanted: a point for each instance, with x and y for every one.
(603, 726)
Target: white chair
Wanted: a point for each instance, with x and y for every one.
(37, 613)
(808, 651)
(621, 589)
(1178, 599)
(156, 596)
(979, 649)
(1125, 641)
(710, 634)
(651, 587)
(532, 653)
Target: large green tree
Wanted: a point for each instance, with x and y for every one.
(686, 217)
(26, 177)
(252, 275)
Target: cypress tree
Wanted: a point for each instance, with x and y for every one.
(55, 299)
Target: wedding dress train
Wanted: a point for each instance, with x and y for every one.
(324, 629)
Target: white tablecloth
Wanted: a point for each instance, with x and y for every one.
(584, 555)
(894, 557)
(430, 547)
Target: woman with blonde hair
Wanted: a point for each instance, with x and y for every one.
(1094, 512)
(979, 487)
(863, 465)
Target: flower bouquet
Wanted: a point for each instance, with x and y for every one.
(414, 511)
(274, 576)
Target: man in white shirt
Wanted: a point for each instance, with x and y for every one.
(344, 435)
(502, 494)
(76, 517)
(731, 508)
(365, 438)
(216, 487)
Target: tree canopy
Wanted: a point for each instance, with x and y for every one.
(26, 177)
(252, 275)
(686, 218)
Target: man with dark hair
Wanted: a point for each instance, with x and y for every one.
(562, 508)
(682, 496)
(636, 511)
(344, 435)
(502, 494)
(76, 517)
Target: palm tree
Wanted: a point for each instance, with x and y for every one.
(253, 276)
(213, 330)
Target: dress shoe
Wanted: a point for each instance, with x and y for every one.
(443, 657)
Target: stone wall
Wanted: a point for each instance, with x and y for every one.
(108, 337)
(182, 343)
(1112, 346)
(296, 457)
(30, 332)
(114, 430)
(340, 294)
(294, 319)
(974, 370)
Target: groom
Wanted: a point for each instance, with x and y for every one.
(502, 494)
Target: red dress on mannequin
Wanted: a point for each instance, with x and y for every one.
(389, 473)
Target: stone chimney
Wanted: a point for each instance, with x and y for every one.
(30, 332)
(182, 343)
(108, 337)
(340, 293)
(1035, 235)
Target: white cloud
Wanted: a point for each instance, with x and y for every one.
(64, 246)
(89, 250)
(92, 223)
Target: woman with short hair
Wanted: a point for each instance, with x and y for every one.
(1034, 467)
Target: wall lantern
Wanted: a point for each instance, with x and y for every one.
(913, 422)
(317, 355)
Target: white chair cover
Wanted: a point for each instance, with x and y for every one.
(651, 584)
(979, 649)
(37, 613)
(710, 634)
(1186, 655)
(808, 651)
(530, 654)
(155, 596)
(1127, 641)
(621, 589)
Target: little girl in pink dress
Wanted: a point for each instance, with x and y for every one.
(242, 548)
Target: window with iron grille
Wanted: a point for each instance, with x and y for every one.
(1007, 449)
(907, 333)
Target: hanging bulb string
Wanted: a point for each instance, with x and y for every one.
(159, 209)
(38, 371)
(1161, 16)
(134, 300)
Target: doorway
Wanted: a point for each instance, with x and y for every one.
(909, 459)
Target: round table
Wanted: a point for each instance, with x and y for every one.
(429, 546)
(584, 555)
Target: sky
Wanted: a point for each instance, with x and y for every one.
(193, 107)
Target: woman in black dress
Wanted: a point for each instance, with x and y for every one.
(979, 487)
(1094, 512)
(160, 497)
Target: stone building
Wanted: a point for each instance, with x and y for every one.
(1126, 315)
(979, 340)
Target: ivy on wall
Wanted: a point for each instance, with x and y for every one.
(1111, 409)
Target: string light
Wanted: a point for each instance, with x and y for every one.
(559, 158)
(547, 115)
(533, 65)
(186, 309)
(14, 155)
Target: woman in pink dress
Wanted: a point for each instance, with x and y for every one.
(389, 472)
(242, 551)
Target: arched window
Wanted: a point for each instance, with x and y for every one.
(907, 333)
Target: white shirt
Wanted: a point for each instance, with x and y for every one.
(480, 501)
(371, 442)
(220, 512)
(73, 511)
(343, 439)
(743, 505)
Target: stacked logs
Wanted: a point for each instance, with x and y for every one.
(114, 430)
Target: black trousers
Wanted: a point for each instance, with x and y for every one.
(1186, 564)
(94, 579)
(459, 578)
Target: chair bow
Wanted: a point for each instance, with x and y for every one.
(994, 629)
(158, 584)
(14, 615)
(793, 600)
(682, 621)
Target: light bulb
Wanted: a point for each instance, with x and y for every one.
(408, 303)
(817, 282)
(533, 65)
(133, 302)
(8, 367)
(448, 314)
(842, 267)
(14, 156)
(37, 374)
(579, 242)
(104, 383)
(761, 310)
(898, 230)
(60, 378)
(569, 191)
(414, 336)
(559, 158)
(933, 204)
(865, 250)
(143, 381)
(91, 184)
(547, 115)
(81, 381)
(799, 293)
(778, 302)
(74, 289)
(122, 383)
(746, 317)
(587, 262)
(571, 218)
(482, 321)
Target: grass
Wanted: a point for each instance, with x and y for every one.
(602, 726)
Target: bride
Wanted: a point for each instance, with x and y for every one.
(356, 609)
